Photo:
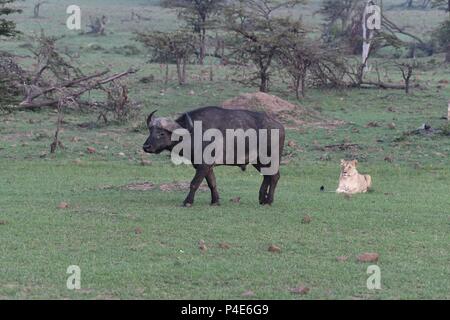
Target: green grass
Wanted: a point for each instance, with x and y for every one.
(405, 218)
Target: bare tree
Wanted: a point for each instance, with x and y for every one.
(442, 34)
(97, 25)
(407, 71)
(37, 8)
(441, 4)
(200, 15)
(297, 55)
(259, 32)
(177, 46)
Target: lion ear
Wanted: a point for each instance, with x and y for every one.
(355, 162)
(342, 161)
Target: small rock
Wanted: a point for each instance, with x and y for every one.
(300, 290)
(3, 222)
(202, 246)
(275, 249)
(63, 205)
(342, 258)
(373, 124)
(248, 293)
(236, 200)
(91, 150)
(368, 257)
(392, 126)
(138, 230)
(292, 144)
(306, 219)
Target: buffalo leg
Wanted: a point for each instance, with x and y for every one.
(273, 185)
(200, 175)
(264, 187)
(211, 179)
(263, 191)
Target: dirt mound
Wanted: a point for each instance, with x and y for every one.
(291, 115)
(259, 101)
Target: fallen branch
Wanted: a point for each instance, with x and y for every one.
(384, 85)
(79, 83)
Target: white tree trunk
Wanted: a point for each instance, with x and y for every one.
(368, 34)
(448, 111)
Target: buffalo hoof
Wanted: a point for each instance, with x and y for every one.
(266, 202)
(187, 205)
(215, 204)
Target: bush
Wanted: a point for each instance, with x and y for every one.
(442, 35)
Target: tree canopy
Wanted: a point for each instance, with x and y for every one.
(7, 27)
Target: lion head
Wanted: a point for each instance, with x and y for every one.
(348, 168)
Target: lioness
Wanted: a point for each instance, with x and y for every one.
(351, 181)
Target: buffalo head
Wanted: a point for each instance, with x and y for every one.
(160, 134)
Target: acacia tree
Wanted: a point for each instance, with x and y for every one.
(338, 13)
(258, 32)
(310, 61)
(37, 8)
(7, 27)
(297, 55)
(442, 34)
(442, 4)
(199, 14)
(8, 67)
(178, 46)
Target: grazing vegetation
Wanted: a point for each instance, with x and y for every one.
(97, 201)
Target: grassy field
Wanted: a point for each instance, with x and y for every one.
(134, 244)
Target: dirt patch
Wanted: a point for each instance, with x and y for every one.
(180, 186)
(13, 137)
(291, 115)
(143, 186)
(165, 187)
(340, 147)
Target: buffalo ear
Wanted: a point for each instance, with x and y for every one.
(150, 118)
(189, 122)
